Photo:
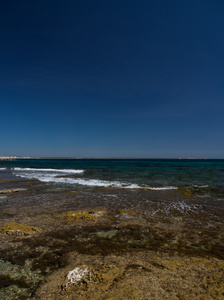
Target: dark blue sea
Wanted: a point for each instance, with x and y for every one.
(204, 178)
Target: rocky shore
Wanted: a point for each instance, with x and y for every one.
(58, 244)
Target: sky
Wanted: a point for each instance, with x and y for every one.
(121, 78)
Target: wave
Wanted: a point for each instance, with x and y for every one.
(200, 186)
(2, 169)
(90, 182)
(50, 170)
(103, 183)
(53, 176)
(163, 188)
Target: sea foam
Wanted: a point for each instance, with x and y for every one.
(54, 176)
(50, 170)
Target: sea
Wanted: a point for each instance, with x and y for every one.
(202, 177)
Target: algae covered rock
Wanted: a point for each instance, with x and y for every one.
(16, 229)
(89, 279)
(84, 215)
(81, 281)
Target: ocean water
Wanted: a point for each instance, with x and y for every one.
(204, 177)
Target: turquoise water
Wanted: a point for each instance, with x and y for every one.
(203, 177)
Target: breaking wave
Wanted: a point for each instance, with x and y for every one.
(69, 171)
(55, 176)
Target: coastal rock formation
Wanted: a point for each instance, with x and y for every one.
(142, 275)
(86, 248)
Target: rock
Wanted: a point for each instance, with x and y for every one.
(83, 215)
(107, 234)
(89, 278)
(135, 275)
(127, 212)
(77, 274)
(8, 191)
(17, 229)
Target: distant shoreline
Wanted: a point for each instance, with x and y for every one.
(13, 157)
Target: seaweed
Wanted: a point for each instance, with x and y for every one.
(6, 280)
(47, 262)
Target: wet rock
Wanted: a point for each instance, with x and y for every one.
(83, 215)
(127, 212)
(88, 282)
(8, 191)
(139, 275)
(107, 234)
(17, 229)
(16, 281)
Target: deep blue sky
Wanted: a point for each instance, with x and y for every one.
(121, 78)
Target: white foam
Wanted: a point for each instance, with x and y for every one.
(50, 170)
(2, 168)
(163, 188)
(200, 186)
(53, 176)
(182, 207)
(80, 181)
(91, 182)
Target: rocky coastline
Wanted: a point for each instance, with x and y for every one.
(68, 245)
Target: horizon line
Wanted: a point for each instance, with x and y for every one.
(14, 157)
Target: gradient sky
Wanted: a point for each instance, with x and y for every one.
(118, 78)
